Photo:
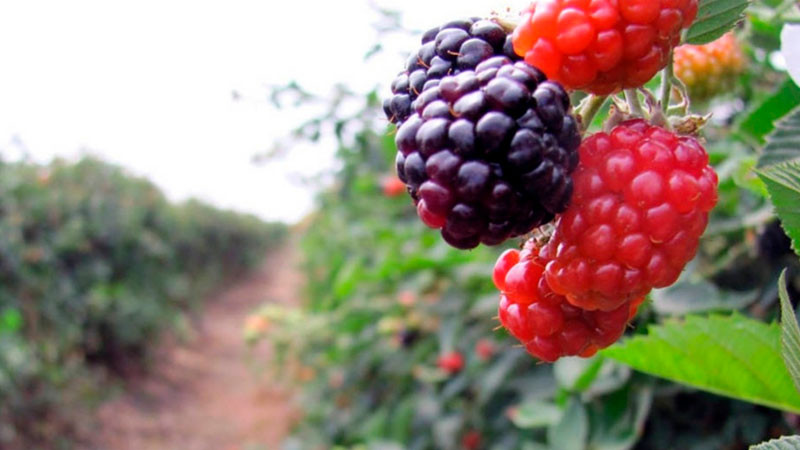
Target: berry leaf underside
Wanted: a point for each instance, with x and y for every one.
(692, 297)
(779, 168)
(784, 443)
(790, 333)
(536, 414)
(715, 18)
(731, 356)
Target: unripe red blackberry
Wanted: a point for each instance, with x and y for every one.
(487, 154)
(641, 202)
(545, 322)
(602, 46)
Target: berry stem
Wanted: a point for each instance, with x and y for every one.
(632, 98)
(666, 82)
(508, 24)
(686, 103)
(589, 108)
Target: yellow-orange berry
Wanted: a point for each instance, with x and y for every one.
(710, 69)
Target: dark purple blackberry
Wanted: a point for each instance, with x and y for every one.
(488, 153)
(772, 242)
(447, 50)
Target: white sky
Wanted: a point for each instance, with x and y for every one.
(148, 84)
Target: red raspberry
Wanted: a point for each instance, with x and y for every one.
(641, 202)
(451, 362)
(601, 46)
(545, 322)
(710, 69)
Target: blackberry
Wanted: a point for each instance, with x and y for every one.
(487, 153)
(772, 243)
(447, 50)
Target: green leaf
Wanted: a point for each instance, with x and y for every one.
(715, 18)
(783, 145)
(779, 168)
(760, 120)
(783, 184)
(727, 355)
(536, 414)
(571, 432)
(492, 379)
(784, 443)
(576, 374)
(10, 320)
(790, 333)
(618, 421)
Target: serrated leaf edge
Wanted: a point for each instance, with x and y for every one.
(654, 330)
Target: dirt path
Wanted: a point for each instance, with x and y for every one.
(201, 394)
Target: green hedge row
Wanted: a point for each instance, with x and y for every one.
(93, 263)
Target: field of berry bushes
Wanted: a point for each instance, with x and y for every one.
(94, 262)
(398, 344)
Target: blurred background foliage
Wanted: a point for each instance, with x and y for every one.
(94, 262)
(389, 304)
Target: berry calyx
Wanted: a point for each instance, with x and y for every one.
(710, 69)
(601, 46)
(641, 202)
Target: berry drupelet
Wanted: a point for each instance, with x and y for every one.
(447, 50)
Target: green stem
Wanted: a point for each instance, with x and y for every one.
(782, 9)
(592, 105)
(684, 91)
(666, 83)
(632, 98)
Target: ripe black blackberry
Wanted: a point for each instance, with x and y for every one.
(487, 153)
(455, 46)
(772, 242)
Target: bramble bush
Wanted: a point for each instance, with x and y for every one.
(94, 263)
(398, 343)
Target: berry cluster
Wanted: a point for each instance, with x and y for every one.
(487, 147)
(488, 150)
(641, 202)
(710, 69)
(602, 46)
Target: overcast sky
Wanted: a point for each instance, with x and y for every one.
(148, 84)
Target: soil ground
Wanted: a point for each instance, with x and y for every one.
(203, 394)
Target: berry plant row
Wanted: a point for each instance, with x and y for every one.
(576, 200)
